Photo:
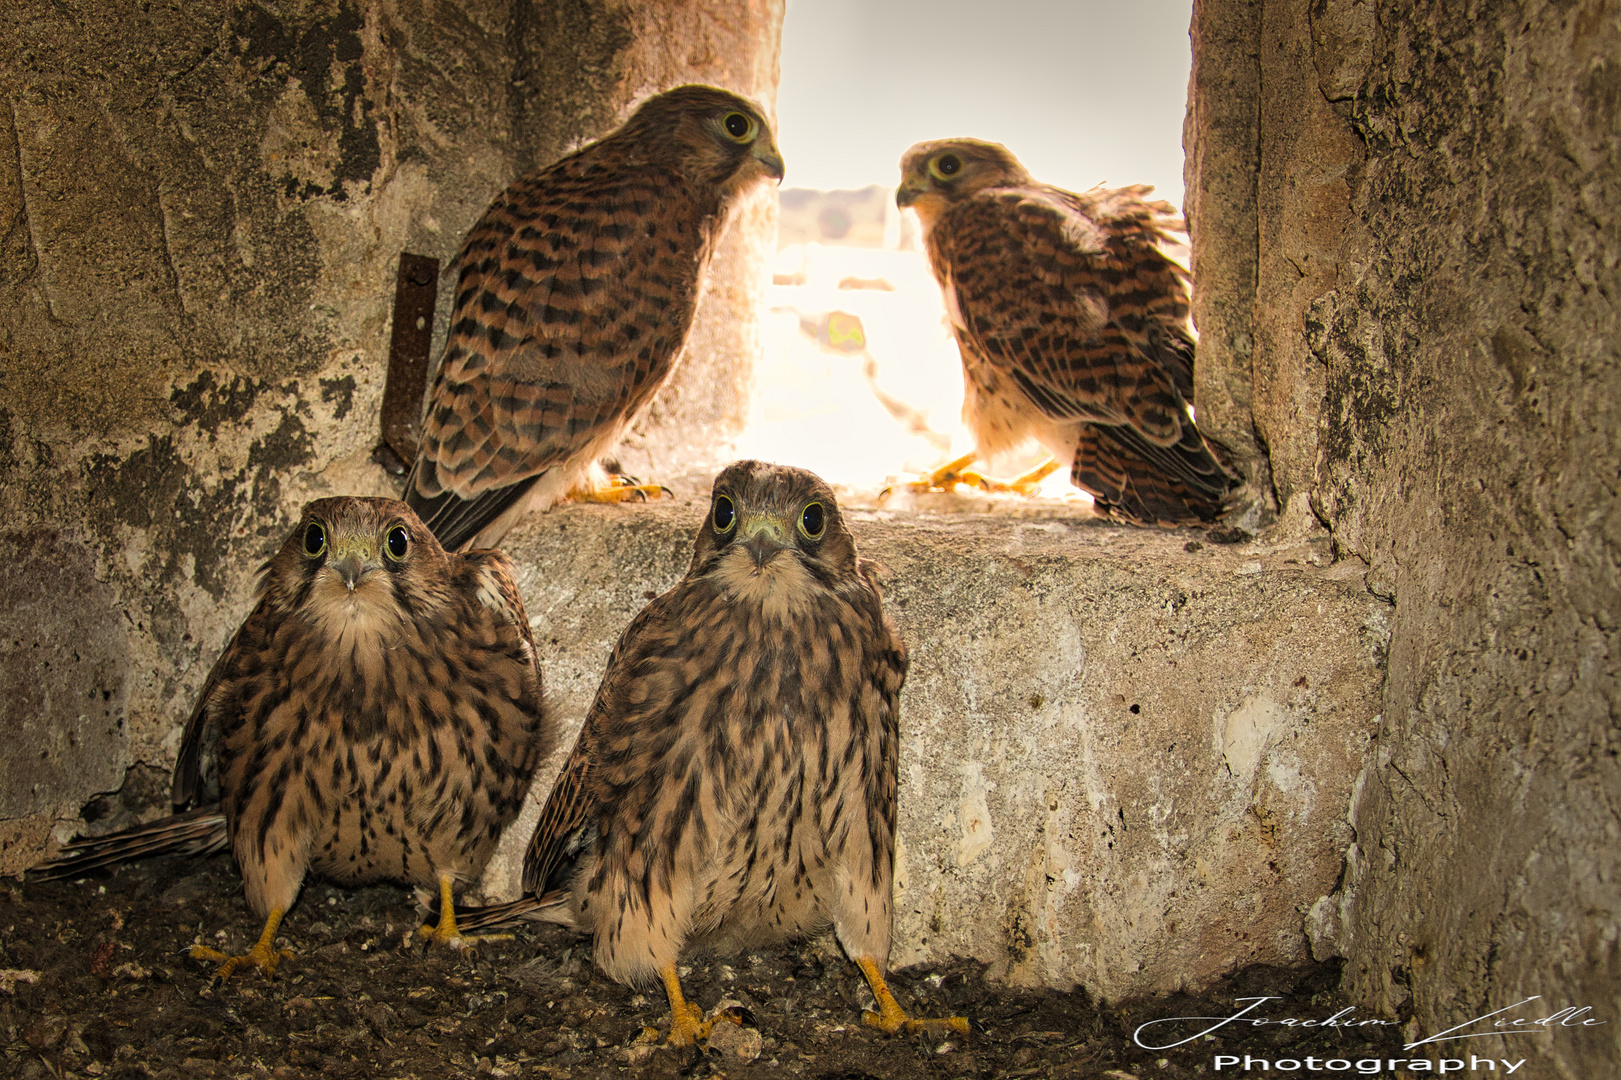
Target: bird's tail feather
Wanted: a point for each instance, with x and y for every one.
(455, 521)
(1184, 484)
(549, 907)
(195, 832)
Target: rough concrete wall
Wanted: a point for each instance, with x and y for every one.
(1467, 456)
(1124, 765)
(1220, 138)
(201, 209)
(1309, 158)
(1271, 159)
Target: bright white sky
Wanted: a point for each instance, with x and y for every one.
(1082, 91)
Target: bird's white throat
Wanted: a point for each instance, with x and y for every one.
(782, 588)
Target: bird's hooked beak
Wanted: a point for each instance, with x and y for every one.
(353, 559)
(766, 151)
(911, 190)
(763, 537)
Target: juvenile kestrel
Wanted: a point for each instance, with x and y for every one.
(378, 716)
(1072, 326)
(734, 782)
(575, 292)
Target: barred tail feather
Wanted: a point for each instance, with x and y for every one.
(552, 908)
(1133, 480)
(196, 832)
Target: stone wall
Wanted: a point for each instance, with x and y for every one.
(1432, 218)
(1125, 765)
(201, 211)
(1406, 249)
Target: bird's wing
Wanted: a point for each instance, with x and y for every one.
(567, 824)
(470, 917)
(887, 665)
(1085, 315)
(187, 786)
(1058, 301)
(496, 588)
(575, 292)
(1135, 232)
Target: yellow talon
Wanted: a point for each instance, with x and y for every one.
(621, 489)
(446, 933)
(957, 472)
(1029, 483)
(890, 1017)
(264, 955)
(948, 475)
(687, 1023)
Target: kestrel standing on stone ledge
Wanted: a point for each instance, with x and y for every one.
(378, 716)
(575, 292)
(1073, 330)
(735, 780)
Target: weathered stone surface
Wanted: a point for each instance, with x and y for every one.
(1466, 454)
(1309, 159)
(201, 211)
(1221, 138)
(1124, 765)
(64, 663)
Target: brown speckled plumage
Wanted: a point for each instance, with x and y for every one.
(735, 780)
(377, 716)
(575, 292)
(1072, 326)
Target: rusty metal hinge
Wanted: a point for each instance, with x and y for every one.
(416, 291)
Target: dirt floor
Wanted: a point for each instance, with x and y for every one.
(96, 982)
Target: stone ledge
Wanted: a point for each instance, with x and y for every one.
(1124, 765)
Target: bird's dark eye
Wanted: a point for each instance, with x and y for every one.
(725, 515)
(738, 126)
(812, 520)
(397, 541)
(314, 539)
(947, 165)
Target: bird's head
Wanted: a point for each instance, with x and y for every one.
(719, 138)
(774, 535)
(937, 174)
(350, 560)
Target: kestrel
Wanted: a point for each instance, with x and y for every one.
(1072, 324)
(575, 292)
(377, 716)
(734, 782)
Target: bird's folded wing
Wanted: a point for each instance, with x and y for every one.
(496, 588)
(1149, 484)
(570, 307)
(568, 823)
(186, 787)
(1053, 299)
(471, 917)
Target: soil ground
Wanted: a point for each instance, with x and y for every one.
(97, 982)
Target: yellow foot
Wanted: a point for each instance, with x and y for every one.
(621, 489)
(957, 472)
(436, 935)
(688, 1026)
(446, 933)
(947, 1025)
(1029, 483)
(891, 1018)
(266, 960)
(264, 955)
(687, 1023)
(945, 477)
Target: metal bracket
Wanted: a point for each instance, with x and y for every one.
(416, 291)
